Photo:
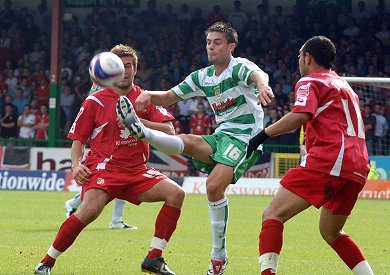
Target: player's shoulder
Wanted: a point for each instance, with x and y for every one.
(318, 79)
(100, 96)
(241, 60)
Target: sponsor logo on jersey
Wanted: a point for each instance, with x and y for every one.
(302, 94)
(224, 104)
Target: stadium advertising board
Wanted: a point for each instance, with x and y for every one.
(244, 186)
(374, 189)
(381, 166)
(58, 159)
(32, 180)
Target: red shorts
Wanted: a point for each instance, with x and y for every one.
(125, 186)
(321, 189)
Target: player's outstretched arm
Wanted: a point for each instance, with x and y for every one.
(289, 122)
(260, 79)
(158, 98)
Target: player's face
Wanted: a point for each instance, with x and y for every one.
(130, 71)
(302, 63)
(218, 48)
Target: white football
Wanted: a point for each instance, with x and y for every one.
(106, 68)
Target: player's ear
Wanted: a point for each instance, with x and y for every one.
(308, 58)
(232, 46)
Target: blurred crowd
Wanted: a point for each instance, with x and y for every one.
(170, 45)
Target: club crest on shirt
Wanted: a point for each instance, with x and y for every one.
(302, 94)
(217, 92)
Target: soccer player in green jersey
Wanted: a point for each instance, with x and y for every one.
(233, 86)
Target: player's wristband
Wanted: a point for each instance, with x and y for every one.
(255, 142)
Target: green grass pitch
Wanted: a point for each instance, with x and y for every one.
(29, 222)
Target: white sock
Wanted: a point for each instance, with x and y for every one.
(119, 208)
(362, 268)
(54, 253)
(169, 144)
(75, 202)
(269, 261)
(219, 214)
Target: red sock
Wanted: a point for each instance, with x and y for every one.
(165, 225)
(271, 239)
(348, 250)
(66, 235)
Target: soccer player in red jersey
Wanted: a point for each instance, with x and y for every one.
(336, 165)
(115, 167)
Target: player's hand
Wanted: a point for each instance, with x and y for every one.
(143, 101)
(81, 174)
(255, 142)
(265, 95)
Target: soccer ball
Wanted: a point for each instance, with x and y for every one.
(106, 68)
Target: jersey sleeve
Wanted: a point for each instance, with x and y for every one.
(243, 70)
(84, 123)
(158, 114)
(190, 87)
(306, 97)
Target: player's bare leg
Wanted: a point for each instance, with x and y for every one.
(331, 229)
(166, 221)
(94, 202)
(283, 206)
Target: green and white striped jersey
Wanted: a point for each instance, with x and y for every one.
(233, 101)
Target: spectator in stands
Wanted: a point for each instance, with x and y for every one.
(200, 123)
(42, 123)
(186, 110)
(238, 18)
(2, 101)
(7, 16)
(381, 128)
(351, 30)
(27, 91)
(3, 85)
(26, 122)
(216, 16)
(361, 13)
(30, 31)
(9, 100)
(67, 105)
(5, 40)
(9, 128)
(145, 72)
(20, 101)
(37, 53)
(383, 35)
(42, 92)
(369, 121)
(81, 89)
(11, 82)
(274, 116)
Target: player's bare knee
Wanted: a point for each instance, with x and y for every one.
(329, 235)
(176, 197)
(214, 191)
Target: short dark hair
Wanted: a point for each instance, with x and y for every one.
(322, 49)
(226, 28)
